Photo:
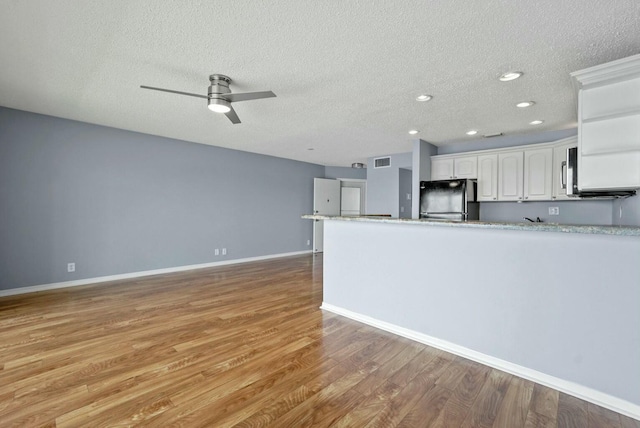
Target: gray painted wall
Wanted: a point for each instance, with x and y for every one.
(383, 185)
(344, 172)
(404, 194)
(571, 212)
(114, 201)
(422, 152)
(567, 305)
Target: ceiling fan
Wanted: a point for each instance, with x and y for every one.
(220, 97)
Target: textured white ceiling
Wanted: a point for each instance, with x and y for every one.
(346, 72)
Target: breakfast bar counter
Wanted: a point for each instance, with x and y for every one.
(535, 227)
(561, 308)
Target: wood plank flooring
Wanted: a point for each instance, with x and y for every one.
(245, 345)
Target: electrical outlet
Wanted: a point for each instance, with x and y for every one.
(401, 209)
(71, 267)
(216, 252)
(554, 210)
(224, 251)
(308, 242)
(408, 196)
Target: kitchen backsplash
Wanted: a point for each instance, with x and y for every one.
(598, 212)
(626, 212)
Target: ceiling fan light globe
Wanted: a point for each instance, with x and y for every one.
(219, 109)
(219, 106)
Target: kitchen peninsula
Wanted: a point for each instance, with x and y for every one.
(556, 304)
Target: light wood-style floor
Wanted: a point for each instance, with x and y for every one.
(244, 345)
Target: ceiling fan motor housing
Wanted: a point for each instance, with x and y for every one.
(219, 86)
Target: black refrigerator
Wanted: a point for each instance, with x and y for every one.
(453, 200)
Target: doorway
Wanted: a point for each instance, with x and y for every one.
(326, 201)
(339, 197)
(353, 197)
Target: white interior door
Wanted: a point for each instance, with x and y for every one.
(350, 201)
(326, 201)
(326, 196)
(358, 184)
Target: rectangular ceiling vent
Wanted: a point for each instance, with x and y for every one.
(382, 162)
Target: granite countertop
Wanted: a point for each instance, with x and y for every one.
(535, 227)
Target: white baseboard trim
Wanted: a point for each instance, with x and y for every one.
(86, 281)
(596, 397)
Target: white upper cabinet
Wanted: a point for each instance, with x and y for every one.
(451, 167)
(510, 176)
(488, 177)
(560, 168)
(609, 125)
(534, 172)
(441, 169)
(465, 167)
(538, 176)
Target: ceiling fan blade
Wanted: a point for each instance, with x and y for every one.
(233, 116)
(247, 96)
(174, 92)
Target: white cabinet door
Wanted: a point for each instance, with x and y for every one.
(454, 167)
(442, 169)
(510, 176)
(465, 167)
(560, 170)
(610, 153)
(538, 176)
(488, 177)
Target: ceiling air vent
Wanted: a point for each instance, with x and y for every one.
(382, 162)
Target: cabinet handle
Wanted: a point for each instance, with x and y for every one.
(526, 197)
(563, 174)
(495, 199)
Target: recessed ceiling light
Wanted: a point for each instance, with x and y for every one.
(511, 75)
(472, 132)
(536, 122)
(525, 104)
(423, 97)
(413, 132)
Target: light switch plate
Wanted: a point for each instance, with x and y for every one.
(554, 210)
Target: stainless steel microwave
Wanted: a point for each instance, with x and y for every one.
(572, 182)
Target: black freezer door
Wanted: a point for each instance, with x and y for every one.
(445, 197)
